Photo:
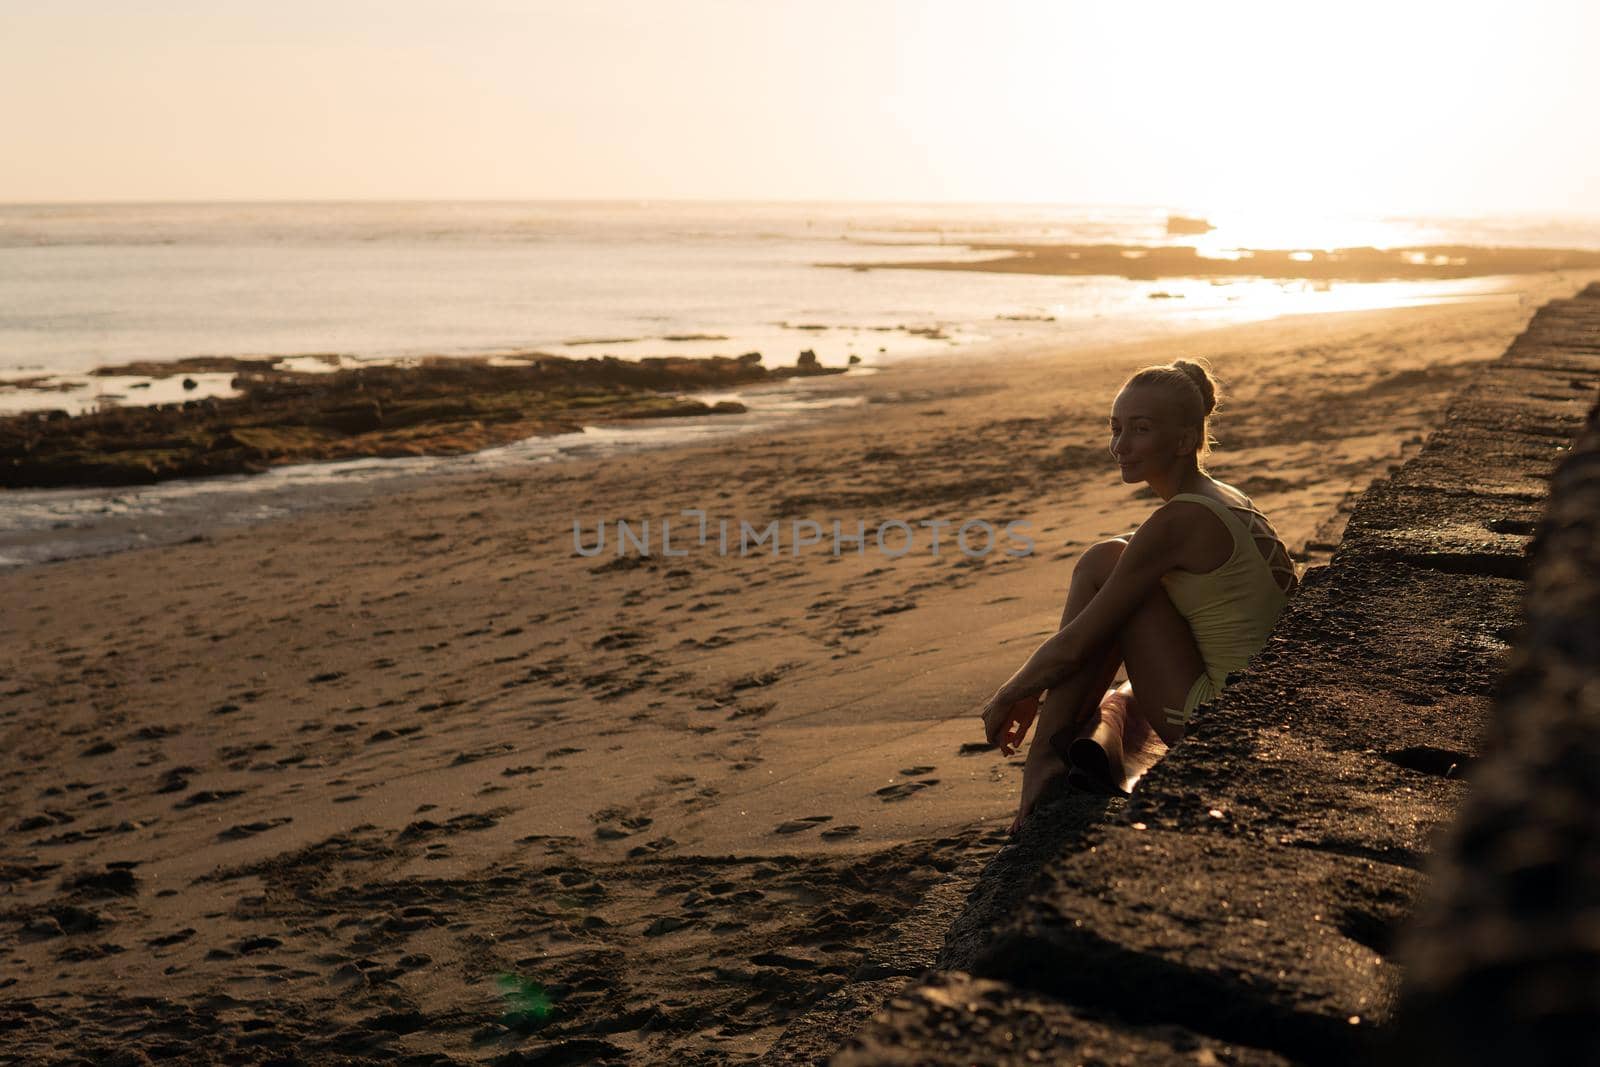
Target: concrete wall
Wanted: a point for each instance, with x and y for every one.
(1503, 960)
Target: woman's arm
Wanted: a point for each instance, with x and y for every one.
(1154, 549)
(1158, 546)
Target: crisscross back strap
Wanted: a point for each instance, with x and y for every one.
(1261, 534)
(1269, 545)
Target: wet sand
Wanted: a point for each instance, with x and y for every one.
(315, 787)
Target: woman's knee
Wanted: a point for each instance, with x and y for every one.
(1099, 558)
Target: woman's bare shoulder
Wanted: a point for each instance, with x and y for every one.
(1184, 520)
(1194, 536)
(1220, 492)
(1232, 496)
(1170, 520)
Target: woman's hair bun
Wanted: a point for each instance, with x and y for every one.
(1200, 374)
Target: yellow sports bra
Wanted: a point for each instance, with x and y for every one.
(1232, 609)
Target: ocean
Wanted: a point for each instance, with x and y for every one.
(85, 286)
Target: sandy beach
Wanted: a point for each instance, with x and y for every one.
(415, 781)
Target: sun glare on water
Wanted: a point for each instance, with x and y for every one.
(1302, 232)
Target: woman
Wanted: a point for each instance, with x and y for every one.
(1182, 603)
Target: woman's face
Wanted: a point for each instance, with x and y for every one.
(1146, 437)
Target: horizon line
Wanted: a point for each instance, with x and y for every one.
(646, 201)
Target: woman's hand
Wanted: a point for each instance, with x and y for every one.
(1006, 718)
(1009, 713)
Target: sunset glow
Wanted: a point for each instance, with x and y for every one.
(1268, 110)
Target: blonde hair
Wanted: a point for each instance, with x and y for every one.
(1193, 391)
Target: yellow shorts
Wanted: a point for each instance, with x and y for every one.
(1202, 691)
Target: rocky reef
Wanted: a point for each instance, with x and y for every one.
(436, 406)
(1145, 262)
(1247, 903)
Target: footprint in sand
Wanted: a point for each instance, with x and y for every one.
(651, 848)
(207, 796)
(630, 825)
(167, 940)
(795, 826)
(116, 880)
(175, 780)
(835, 833)
(665, 925)
(914, 772)
(250, 829)
(901, 790)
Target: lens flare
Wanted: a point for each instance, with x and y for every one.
(527, 1003)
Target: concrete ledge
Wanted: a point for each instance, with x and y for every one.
(954, 1020)
(1504, 959)
(1253, 943)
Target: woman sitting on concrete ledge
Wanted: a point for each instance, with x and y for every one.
(1179, 605)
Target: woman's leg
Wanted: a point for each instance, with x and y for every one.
(1066, 710)
(1071, 702)
(1158, 650)
(1162, 660)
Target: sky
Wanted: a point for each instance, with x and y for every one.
(1405, 105)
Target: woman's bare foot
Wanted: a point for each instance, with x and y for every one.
(1043, 766)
